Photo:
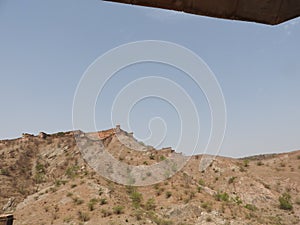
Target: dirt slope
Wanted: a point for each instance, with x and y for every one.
(45, 180)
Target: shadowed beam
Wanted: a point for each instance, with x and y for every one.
(261, 11)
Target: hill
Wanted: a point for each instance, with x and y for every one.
(46, 180)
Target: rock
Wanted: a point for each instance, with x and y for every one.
(42, 135)
(26, 137)
(9, 204)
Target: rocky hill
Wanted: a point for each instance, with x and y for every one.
(45, 180)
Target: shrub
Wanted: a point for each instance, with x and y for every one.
(156, 186)
(22, 190)
(150, 204)
(192, 195)
(242, 169)
(207, 206)
(91, 204)
(40, 168)
(58, 183)
(103, 201)
(199, 189)
(251, 207)
(297, 201)
(282, 164)
(285, 201)
(77, 201)
(4, 172)
(168, 194)
(83, 216)
(130, 189)
(136, 198)
(201, 182)
(209, 219)
(161, 221)
(162, 158)
(53, 189)
(246, 163)
(260, 163)
(160, 191)
(222, 196)
(237, 200)
(231, 180)
(60, 134)
(138, 214)
(105, 213)
(40, 172)
(152, 157)
(72, 171)
(67, 219)
(118, 209)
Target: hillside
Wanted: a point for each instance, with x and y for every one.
(45, 180)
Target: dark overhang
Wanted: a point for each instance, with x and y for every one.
(261, 11)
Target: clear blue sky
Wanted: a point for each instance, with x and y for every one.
(45, 47)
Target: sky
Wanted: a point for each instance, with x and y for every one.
(46, 46)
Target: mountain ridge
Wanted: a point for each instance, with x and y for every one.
(45, 180)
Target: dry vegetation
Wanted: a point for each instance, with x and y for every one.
(46, 181)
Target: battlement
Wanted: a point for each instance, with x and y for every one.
(106, 133)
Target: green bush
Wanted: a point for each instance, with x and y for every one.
(136, 198)
(237, 200)
(60, 134)
(72, 171)
(40, 172)
(161, 221)
(285, 201)
(150, 204)
(4, 172)
(251, 207)
(103, 201)
(222, 196)
(207, 206)
(58, 183)
(246, 163)
(199, 189)
(162, 158)
(201, 182)
(92, 203)
(138, 214)
(118, 209)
